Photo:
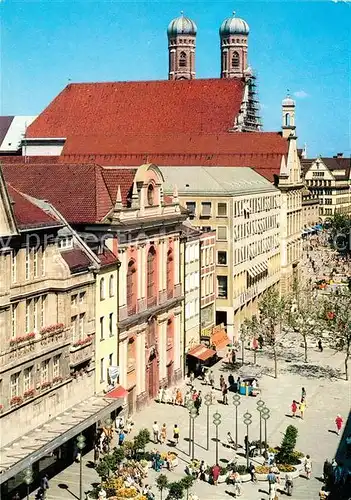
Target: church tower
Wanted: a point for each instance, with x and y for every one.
(234, 34)
(288, 116)
(181, 47)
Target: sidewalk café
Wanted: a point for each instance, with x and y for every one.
(50, 447)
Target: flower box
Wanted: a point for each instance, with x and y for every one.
(52, 329)
(57, 380)
(82, 342)
(23, 338)
(46, 385)
(29, 394)
(16, 400)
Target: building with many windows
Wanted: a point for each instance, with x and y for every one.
(243, 208)
(330, 180)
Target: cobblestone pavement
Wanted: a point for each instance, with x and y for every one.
(325, 398)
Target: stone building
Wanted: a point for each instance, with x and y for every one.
(47, 331)
(207, 283)
(310, 210)
(330, 180)
(244, 210)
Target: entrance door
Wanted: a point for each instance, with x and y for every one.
(153, 378)
(131, 400)
(170, 372)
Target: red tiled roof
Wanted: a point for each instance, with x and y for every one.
(28, 159)
(82, 193)
(27, 214)
(77, 260)
(109, 109)
(107, 257)
(115, 177)
(261, 150)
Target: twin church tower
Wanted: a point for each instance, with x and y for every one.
(233, 33)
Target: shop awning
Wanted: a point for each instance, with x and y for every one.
(117, 392)
(43, 440)
(202, 352)
(253, 271)
(220, 339)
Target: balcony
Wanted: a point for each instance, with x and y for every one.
(80, 353)
(30, 346)
(151, 301)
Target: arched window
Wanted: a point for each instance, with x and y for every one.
(131, 287)
(102, 289)
(235, 60)
(170, 274)
(182, 59)
(287, 119)
(151, 273)
(150, 195)
(111, 286)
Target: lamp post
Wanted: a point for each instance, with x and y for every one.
(193, 415)
(208, 402)
(217, 421)
(265, 415)
(108, 426)
(247, 422)
(236, 403)
(190, 405)
(80, 446)
(28, 479)
(260, 406)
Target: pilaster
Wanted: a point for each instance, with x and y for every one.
(162, 346)
(178, 351)
(123, 362)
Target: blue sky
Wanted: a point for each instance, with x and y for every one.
(301, 46)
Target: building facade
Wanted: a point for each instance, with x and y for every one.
(244, 210)
(207, 283)
(330, 180)
(310, 209)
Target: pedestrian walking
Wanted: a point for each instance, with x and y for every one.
(198, 402)
(233, 355)
(176, 433)
(338, 422)
(320, 345)
(260, 341)
(192, 378)
(272, 481)
(156, 432)
(207, 378)
(163, 434)
(215, 474)
(96, 453)
(308, 467)
(237, 484)
(121, 438)
(238, 383)
(221, 382)
(294, 408)
(302, 409)
(44, 484)
(303, 395)
(252, 471)
(225, 393)
(211, 379)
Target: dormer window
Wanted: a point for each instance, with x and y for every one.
(150, 195)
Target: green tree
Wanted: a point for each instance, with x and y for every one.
(287, 447)
(304, 314)
(272, 309)
(141, 440)
(340, 230)
(118, 455)
(187, 483)
(162, 483)
(255, 330)
(106, 465)
(337, 320)
(176, 491)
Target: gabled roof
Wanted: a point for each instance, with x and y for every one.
(27, 214)
(77, 260)
(109, 109)
(79, 192)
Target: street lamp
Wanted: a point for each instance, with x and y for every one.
(247, 422)
(265, 415)
(193, 415)
(236, 403)
(260, 406)
(217, 421)
(190, 405)
(28, 479)
(80, 446)
(108, 426)
(208, 402)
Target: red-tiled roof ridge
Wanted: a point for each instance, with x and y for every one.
(115, 107)
(28, 214)
(76, 190)
(28, 159)
(114, 177)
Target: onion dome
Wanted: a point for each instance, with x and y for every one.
(234, 26)
(288, 101)
(181, 26)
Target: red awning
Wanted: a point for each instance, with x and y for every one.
(201, 352)
(117, 392)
